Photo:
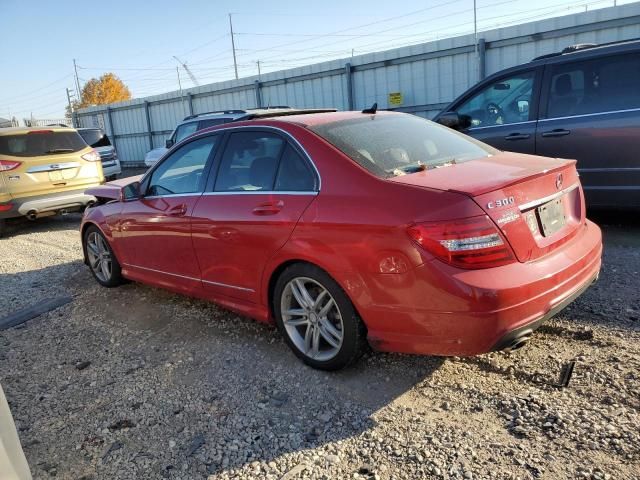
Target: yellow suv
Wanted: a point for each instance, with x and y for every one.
(44, 171)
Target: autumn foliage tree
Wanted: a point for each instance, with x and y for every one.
(103, 91)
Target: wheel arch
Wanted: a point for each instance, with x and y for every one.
(343, 280)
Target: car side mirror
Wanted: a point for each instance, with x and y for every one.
(130, 192)
(168, 143)
(455, 120)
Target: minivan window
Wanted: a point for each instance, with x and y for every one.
(507, 100)
(396, 144)
(594, 86)
(95, 138)
(41, 142)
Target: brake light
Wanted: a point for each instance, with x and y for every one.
(466, 243)
(6, 165)
(91, 156)
(5, 207)
(37, 132)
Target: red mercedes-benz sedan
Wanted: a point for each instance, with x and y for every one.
(348, 227)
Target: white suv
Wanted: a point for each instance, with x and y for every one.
(193, 123)
(96, 138)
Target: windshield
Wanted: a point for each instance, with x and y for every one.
(390, 145)
(95, 138)
(36, 143)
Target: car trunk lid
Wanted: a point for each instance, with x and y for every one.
(536, 202)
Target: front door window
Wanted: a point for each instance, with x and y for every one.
(505, 101)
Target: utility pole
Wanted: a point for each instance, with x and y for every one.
(180, 87)
(73, 115)
(258, 63)
(233, 47)
(75, 69)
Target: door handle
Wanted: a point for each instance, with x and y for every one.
(268, 208)
(517, 136)
(178, 211)
(558, 132)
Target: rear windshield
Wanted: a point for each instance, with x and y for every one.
(36, 143)
(95, 138)
(391, 145)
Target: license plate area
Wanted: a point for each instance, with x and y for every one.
(551, 217)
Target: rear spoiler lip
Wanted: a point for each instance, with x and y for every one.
(475, 193)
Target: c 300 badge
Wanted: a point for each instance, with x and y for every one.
(503, 202)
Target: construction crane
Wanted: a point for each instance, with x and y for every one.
(186, 69)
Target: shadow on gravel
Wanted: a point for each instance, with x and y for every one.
(21, 226)
(164, 386)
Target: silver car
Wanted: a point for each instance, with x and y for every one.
(98, 139)
(194, 123)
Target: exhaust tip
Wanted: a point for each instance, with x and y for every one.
(517, 343)
(32, 215)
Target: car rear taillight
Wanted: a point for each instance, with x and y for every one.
(91, 156)
(6, 165)
(466, 243)
(5, 207)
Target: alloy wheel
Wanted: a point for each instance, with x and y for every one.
(312, 319)
(99, 256)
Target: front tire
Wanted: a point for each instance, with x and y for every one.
(317, 319)
(103, 263)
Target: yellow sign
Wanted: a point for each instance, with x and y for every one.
(395, 99)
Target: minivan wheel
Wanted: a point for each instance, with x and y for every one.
(317, 319)
(102, 261)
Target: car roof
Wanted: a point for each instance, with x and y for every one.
(233, 114)
(583, 50)
(301, 118)
(21, 130)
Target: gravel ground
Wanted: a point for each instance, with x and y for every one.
(137, 383)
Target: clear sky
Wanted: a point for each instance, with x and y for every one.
(137, 39)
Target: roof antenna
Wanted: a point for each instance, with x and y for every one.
(373, 109)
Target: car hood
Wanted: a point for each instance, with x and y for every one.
(156, 152)
(105, 149)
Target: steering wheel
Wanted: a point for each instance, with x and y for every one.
(494, 111)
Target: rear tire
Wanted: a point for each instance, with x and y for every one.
(103, 263)
(317, 319)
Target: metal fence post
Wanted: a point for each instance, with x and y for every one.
(258, 86)
(111, 127)
(348, 75)
(482, 58)
(149, 130)
(190, 102)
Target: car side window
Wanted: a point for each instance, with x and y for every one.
(594, 86)
(507, 100)
(184, 130)
(182, 172)
(294, 174)
(250, 162)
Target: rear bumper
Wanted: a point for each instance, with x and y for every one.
(441, 310)
(111, 167)
(47, 204)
